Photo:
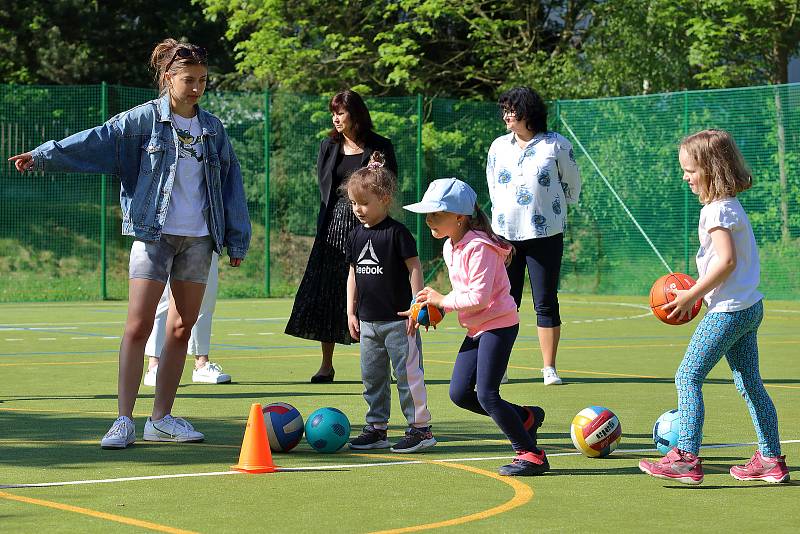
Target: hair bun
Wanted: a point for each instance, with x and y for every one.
(376, 160)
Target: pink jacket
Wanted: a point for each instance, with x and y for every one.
(481, 290)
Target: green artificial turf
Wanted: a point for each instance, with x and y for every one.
(58, 366)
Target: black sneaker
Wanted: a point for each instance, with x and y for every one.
(415, 439)
(370, 438)
(526, 464)
(533, 421)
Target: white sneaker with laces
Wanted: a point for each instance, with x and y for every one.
(173, 429)
(150, 377)
(551, 377)
(210, 373)
(121, 434)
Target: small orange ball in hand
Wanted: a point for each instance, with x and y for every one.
(661, 293)
(426, 315)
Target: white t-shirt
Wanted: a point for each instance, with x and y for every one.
(740, 290)
(188, 198)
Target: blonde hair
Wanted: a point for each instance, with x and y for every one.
(165, 59)
(375, 178)
(722, 169)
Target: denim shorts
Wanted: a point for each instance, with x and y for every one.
(177, 257)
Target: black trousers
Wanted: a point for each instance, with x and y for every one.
(542, 256)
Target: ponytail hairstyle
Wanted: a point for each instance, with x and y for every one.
(375, 177)
(723, 171)
(479, 221)
(171, 56)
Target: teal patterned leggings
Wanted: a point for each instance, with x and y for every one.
(732, 334)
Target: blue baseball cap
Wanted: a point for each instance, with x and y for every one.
(446, 194)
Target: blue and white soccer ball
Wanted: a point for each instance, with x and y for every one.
(284, 426)
(327, 430)
(666, 431)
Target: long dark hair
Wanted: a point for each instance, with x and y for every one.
(351, 102)
(527, 105)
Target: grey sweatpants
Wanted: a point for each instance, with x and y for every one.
(385, 343)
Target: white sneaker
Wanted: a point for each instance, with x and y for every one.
(150, 377)
(551, 377)
(171, 429)
(121, 434)
(210, 373)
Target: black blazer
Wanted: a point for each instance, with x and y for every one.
(327, 159)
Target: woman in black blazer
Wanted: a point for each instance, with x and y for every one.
(320, 306)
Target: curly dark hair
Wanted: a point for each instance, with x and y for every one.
(527, 105)
(351, 102)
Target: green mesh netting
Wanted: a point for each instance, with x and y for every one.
(57, 243)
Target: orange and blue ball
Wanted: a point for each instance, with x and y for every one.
(426, 315)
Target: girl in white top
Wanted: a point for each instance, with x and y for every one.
(728, 269)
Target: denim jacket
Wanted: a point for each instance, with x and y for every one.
(140, 147)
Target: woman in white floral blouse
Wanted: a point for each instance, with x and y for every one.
(532, 176)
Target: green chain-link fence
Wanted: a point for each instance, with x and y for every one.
(60, 239)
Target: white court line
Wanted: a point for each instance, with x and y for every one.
(13, 339)
(346, 466)
(47, 339)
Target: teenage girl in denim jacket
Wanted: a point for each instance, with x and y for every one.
(475, 259)
(182, 197)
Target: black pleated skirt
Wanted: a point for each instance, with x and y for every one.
(320, 306)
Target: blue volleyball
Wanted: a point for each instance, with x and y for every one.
(284, 426)
(327, 430)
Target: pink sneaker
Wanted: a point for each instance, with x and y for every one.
(676, 465)
(762, 468)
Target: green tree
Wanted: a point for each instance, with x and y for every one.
(88, 41)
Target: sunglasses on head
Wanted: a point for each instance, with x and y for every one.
(185, 52)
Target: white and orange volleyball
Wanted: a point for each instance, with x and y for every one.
(595, 431)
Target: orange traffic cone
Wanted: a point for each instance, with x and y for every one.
(255, 456)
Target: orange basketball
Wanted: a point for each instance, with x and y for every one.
(661, 293)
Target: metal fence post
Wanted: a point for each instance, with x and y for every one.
(103, 210)
(267, 126)
(419, 169)
(686, 188)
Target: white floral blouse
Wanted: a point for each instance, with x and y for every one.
(530, 187)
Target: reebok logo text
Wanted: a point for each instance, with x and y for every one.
(368, 261)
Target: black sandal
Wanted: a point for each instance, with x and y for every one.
(323, 379)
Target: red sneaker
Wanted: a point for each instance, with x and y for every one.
(677, 465)
(526, 464)
(762, 468)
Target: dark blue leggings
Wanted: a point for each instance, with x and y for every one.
(542, 256)
(475, 385)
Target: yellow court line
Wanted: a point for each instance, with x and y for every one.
(522, 495)
(94, 513)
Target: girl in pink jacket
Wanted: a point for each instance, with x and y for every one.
(476, 259)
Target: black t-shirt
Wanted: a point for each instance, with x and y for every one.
(378, 255)
(346, 164)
